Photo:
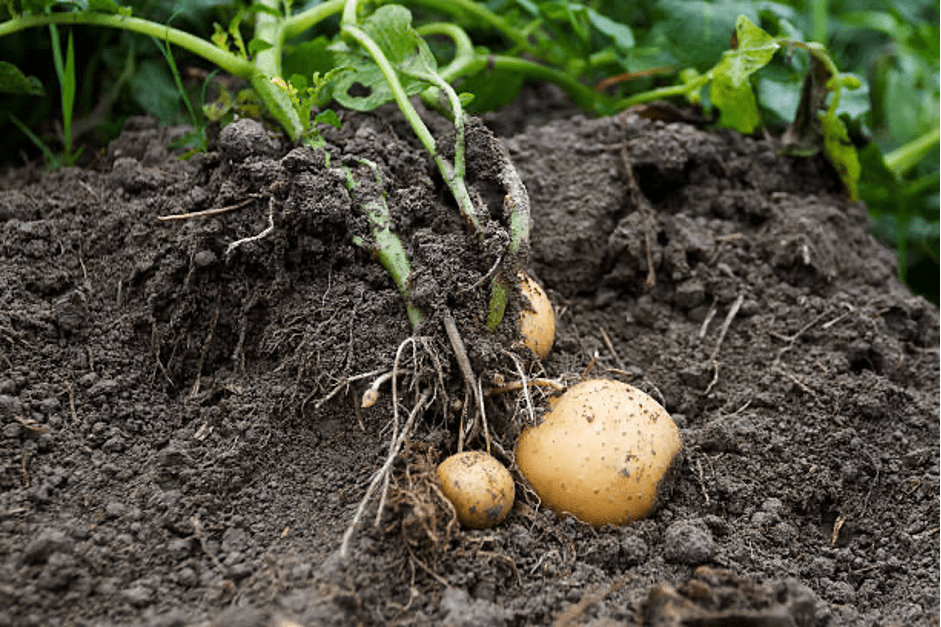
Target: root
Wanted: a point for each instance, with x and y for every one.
(254, 238)
(399, 438)
(523, 384)
(471, 383)
(344, 384)
(380, 476)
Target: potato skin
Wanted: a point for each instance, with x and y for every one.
(480, 487)
(601, 453)
(537, 324)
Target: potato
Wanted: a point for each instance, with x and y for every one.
(479, 486)
(601, 454)
(537, 324)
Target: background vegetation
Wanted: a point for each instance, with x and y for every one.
(628, 50)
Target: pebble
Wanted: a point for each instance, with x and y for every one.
(688, 542)
(138, 595)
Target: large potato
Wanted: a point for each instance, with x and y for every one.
(601, 453)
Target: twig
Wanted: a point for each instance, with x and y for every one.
(837, 525)
(705, 323)
(725, 326)
(589, 367)
(460, 353)
(702, 482)
(850, 309)
(210, 212)
(610, 345)
(797, 382)
(483, 414)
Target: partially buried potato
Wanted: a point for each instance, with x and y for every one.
(601, 453)
(479, 486)
(537, 323)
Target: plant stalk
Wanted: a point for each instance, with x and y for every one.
(455, 183)
(225, 60)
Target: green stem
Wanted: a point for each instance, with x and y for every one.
(499, 295)
(819, 12)
(269, 28)
(225, 60)
(903, 159)
(662, 92)
(455, 183)
(463, 46)
(385, 244)
(278, 103)
(476, 10)
(305, 20)
(580, 94)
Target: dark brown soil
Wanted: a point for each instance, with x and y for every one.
(182, 443)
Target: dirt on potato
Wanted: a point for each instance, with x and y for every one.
(182, 438)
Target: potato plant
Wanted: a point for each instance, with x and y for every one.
(378, 49)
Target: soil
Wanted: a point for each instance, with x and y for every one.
(182, 438)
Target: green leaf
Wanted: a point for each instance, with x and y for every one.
(256, 45)
(390, 27)
(216, 111)
(237, 35)
(698, 31)
(731, 89)
(260, 7)
(328, 116)
(154, 89)
(780, 97)
(738, 108)
(220, 38)
(13, 81)
(754, 51)
(841, 153)
(307, 58)
(492, 89)
(622, 34)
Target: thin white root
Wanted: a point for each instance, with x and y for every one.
(254, 238)
(380, 476)
(524, 382)
(343, 384)
(210, 212)
(483, 414)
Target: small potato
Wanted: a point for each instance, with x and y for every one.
(479, 486)
(601, 453)
(537, 324)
